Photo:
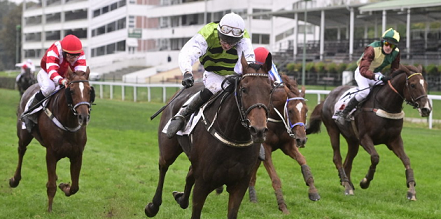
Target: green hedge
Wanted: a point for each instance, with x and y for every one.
(7, 82)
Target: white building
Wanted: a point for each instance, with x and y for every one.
(122, 33)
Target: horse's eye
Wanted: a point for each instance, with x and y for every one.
(412, 85)
(244, 90)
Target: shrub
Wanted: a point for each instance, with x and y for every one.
(332, 68)
(320, 67)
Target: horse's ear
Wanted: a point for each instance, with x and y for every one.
(302, 93)
(244, 62)
(87, 73)
(420, 68)
(268, 62)
(69, 74)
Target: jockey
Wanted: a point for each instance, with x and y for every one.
(261, 54)
(67, 53)
(376, 56)
(219, 47)
(23, 66)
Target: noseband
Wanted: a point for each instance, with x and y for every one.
(70, 101)
(285, 118)
(238, 96)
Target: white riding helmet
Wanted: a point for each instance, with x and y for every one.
(231, 25)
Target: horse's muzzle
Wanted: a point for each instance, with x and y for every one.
(258, 134)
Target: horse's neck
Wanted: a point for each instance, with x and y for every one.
(58, 106)
(390, 98)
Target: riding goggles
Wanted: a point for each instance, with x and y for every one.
(234, 30)
(73, 54)
(229, 43)
(392, 46)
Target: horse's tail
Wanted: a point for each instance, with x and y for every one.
(315, 120)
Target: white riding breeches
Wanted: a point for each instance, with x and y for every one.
(364, 85)
(47, 86)
(213, 81)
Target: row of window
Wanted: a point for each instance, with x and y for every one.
(109, 49)
(108, 8)
(110, 27)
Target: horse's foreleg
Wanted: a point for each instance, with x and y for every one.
(353, 148)
(51, 186)
(276, 182)
(182, 198)
(398, 149)
(200, 193)
(337, 159)
(75, 168)
(24, 139)
(237, 192)
(251, 187)
(375, 159)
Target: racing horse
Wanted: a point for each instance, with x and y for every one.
(60, 128)
(378, 120)
(25, 81)
(286, 131)
(224, 145)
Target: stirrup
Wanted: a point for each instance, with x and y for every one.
(28, 123)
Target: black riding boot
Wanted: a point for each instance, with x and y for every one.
(189, 107)
(343, 117)
(31, 120)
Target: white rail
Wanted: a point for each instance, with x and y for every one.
(165, 86)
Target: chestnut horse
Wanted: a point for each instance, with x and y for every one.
(61, 129)
(286, 131)
(224, 145)
(26, 80)
(379, 120)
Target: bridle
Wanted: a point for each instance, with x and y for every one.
(70, 101)
(285, 118)
(413, 101)
(238, 97)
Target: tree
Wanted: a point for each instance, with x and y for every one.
(10, 15)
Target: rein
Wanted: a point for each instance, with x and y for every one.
(71, 107)
(413, 100)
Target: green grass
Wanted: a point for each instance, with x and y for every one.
(120, 171)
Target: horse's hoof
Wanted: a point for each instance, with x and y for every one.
(284, 209)
(150, 210)
(219, 190)
(314, 196)
(411, 196)
(65, 187)
(13, 183)
(364, 184)
(178, 197)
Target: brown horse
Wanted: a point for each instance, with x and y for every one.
(221, 148)
(25, 81)
(286, 131)
(61, 129)
(379, 120)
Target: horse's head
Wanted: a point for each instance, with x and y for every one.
(415, 92)
(79, 95)
(254, 90)
(295, 112)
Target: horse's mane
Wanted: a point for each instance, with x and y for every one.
(405, 69)
(291, 84)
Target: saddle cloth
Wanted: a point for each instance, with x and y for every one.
(23, 125)
(343, 100)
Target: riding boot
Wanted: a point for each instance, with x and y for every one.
(189, 107)
(31, 119)
(343, 117)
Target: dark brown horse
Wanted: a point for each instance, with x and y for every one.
(286, 131)
(224, 145)
(61, 129)
(25, 81)
(377, 121)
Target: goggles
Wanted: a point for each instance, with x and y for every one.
(227, 29)
(392, 46)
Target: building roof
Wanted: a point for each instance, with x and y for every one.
(399, 4)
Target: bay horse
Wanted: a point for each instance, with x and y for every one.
(25, 81)
(379, 120)
(224, 146)
(286, 131)
(60, 128)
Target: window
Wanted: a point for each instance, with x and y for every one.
(261, 39)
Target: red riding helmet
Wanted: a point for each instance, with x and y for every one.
(71, 44)
(261, 53)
